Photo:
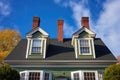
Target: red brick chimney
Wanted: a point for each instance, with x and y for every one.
(85, 22)
(60, 30)
(36, 22)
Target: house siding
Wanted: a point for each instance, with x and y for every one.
(85, 56)
(83, 35)
(37, 35)
(61, 71)
(38, 55)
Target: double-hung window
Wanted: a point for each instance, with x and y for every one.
(89, 76)
(36, 46)
(47, 76)
(76, 76)
(35, 75)
(84, 75)
(85, 46)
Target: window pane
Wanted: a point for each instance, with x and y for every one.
(84, 46)
(36, 46)
(89, 76)
(46, 76)
(22, 76)
(34, 75)
(76, 76)
(36, 43)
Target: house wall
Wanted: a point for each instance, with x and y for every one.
(37, 35)
(60, 71)
(40, 55)
(85, 35)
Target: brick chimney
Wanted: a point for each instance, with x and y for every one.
(85, 22)
(36, 22)
(60, 30)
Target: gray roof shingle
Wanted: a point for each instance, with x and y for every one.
(61, 50)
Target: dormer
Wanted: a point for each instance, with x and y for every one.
(83, 41)
(37, 40)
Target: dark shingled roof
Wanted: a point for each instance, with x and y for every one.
(61, 50)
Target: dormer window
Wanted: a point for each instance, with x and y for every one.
(37, 46)
(84, 46)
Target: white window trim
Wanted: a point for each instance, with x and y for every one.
(89, 46)
(32, 43)
(93, 48)
(76, 55)
(28, 44)
(45, 44)
(50, 75)
(29, 51)
(81, 74)
(42, 74)
(72, 77)
(27, 74)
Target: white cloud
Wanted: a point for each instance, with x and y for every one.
(5, 9)
(68, 30)
(78, 11)
(108, 25)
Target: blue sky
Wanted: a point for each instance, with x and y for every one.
(104, 17)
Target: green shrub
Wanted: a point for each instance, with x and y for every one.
(112, 72)
(8, 73)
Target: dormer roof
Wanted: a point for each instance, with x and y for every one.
(38, 29)
(92, 34)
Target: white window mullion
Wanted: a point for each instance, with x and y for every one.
(89, 42)
(31, 46)
(26, 75)
(42, 75)
(41, 46)
(96, 75)
(50, 76)
(81, 76)
(76, 48)
(79, 47)
(44, 52)
(93, 48)
(28, 46)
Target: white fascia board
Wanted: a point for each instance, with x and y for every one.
(42, 31)
(38, 29)
(61, 66)
(73, 38)
(104, 61)
(89, 31)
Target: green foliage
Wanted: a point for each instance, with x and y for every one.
(112, 72)
(7, 73)
(8, 40)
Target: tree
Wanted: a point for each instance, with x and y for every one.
(8, 73)
(8, 40)
(112, 72)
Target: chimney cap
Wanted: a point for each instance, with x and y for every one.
(36, 22)
(85, 18)
(85, 22)
(60, 22)
(36, 18)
